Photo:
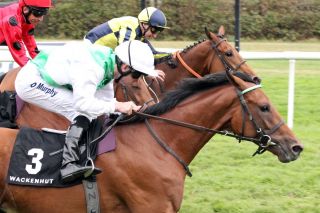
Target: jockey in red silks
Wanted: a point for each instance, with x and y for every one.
(17, 23)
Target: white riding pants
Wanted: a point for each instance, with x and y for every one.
(31, 88)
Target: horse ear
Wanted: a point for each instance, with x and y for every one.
(210, 35)
(207, 32)
(221, 31)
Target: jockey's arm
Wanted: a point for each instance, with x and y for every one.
(29, 41)
(85, 88)
(126, 34)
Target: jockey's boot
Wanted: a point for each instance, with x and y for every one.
(70, 169)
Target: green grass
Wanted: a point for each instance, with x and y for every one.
(227, 179)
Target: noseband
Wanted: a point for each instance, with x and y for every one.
(264, 135)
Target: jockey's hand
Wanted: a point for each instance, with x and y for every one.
(126, 107)
(161, 75)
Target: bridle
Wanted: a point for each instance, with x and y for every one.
(263, 137)
(128, 94)
(220, 54)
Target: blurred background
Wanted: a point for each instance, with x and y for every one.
(260, 19)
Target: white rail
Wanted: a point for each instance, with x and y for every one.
(6, 63)
(292, 57)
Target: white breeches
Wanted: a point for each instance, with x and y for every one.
(31, 88)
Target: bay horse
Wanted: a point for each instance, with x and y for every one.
(211, 55)
(146, 172)
(208, 56)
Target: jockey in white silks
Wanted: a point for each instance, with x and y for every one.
(76, 81)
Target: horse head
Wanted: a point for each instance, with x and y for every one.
(229, 57)
(204, 57)
(256, 118)
(130, 88)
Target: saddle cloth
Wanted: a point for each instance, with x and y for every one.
(37, 156)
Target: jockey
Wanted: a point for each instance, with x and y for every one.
(149, 23)
(17, 23)
(76, 81)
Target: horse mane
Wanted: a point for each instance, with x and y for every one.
(188, 87)
(162, 59)
(187, 48)
(170, 56)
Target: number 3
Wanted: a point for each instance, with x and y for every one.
(35, 167)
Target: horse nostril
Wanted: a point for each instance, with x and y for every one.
(297, 149)
(256, 79)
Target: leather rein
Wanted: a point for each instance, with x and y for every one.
(263, 139)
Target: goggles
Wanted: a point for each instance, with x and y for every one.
(38, 12)
(155, 30)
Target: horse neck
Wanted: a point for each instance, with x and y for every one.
(196, 58)
(210, 109)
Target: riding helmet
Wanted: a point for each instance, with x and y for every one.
(153, 16)
(137, 55)
(38, 3)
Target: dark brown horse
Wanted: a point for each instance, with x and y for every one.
(140, 175)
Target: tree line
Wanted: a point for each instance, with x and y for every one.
(260, 19)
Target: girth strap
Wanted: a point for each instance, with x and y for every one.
(92, 195)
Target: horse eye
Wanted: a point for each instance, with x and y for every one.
(265, 108)
(229, 53)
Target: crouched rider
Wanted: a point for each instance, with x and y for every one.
(76, 81)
